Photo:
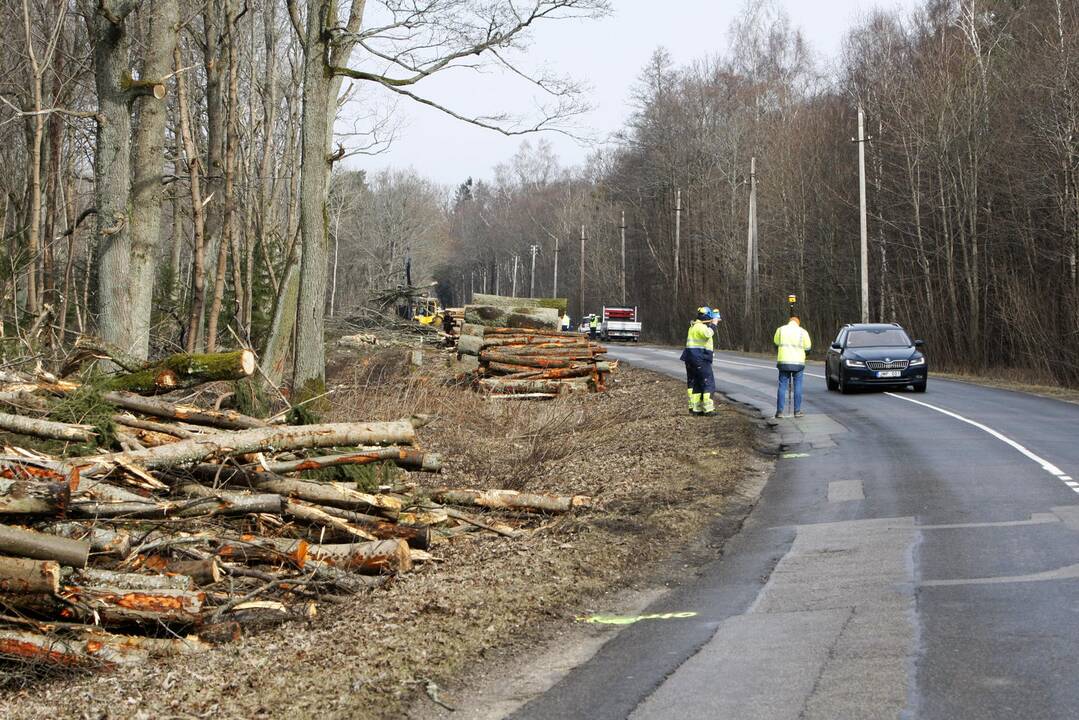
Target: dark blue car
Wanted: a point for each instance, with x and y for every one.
(875, 355)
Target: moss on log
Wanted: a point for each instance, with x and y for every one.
(182, 370)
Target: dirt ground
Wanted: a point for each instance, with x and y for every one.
(659, 477)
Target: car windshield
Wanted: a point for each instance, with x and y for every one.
(884, 337)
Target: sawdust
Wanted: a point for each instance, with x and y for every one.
(659, 477)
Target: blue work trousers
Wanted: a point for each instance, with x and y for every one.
(789, 372)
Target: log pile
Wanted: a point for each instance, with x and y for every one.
(198, 526)
(530, 364)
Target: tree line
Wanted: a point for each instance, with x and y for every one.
(174, 178)
(972, 173)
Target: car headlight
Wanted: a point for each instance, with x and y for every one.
(917, 362)
(855, 363)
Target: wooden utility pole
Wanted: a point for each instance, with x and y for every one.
(554, 291)
(514, 276)
(532, 279)
(751, 242)
(677, 240)
(862, 218)
(580, 295)
(622, 228)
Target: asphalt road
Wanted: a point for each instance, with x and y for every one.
(913, 556)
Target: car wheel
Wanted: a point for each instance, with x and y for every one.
(843, 386)
(920, 387)
(832, 384)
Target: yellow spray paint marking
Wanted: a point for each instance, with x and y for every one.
(630, 619)
(787, 456)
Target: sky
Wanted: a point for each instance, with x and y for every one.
(607, 55)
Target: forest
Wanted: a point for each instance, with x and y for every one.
(174, 179)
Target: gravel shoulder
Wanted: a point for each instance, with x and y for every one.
(660, 478)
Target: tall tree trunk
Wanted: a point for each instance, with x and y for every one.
(147, 190)
(198, 222)
(118, 323)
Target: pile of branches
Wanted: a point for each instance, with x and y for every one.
(516, 363)
(191, 526)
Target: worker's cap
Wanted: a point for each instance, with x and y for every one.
(714, 314)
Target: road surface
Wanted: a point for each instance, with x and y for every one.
(913, 556)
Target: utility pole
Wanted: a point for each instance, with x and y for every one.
(580, 290)
(532, 280)
(622, 228)
(554, 291)
(677, 239)
(752, 263)
(514, 276)
(471, 284)
(864, 223)
(484, 279)
(497, 278)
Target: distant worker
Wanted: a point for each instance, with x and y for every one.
(565, 321)
(700, 381)
(792, 342)
(593, 326)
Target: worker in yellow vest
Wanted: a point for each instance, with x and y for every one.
(792, 342)
(700, 381)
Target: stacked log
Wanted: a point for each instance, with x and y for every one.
(209, 524)
(517, 363)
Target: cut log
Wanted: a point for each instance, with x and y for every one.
(532, 332)
(137, 646)
(19, 575)
(225, 420)
(31, 497)
(513, 317)
(130, 581)
(559, 304)
(470, 345)
(124, 605)
(247, 441)
(416, 535)
(553, 387)
(181, 371)
(46, 428)
(340, 495)
(162, 428)
(473, 329)
(401, 457)
(103, 540)
(381, 556)
(234, 503)
(202, 572)
(511, 500)
(256, 551)
(32, 648)
(318, 516)
(39, 546)
(511, 359)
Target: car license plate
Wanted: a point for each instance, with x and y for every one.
(888, 373)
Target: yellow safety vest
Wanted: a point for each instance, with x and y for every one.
(792, 342)
(700, 336)
(594, 322)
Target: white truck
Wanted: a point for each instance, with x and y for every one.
(620, 323)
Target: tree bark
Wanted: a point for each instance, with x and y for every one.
(182, 371)
(401, 457)
(45, 428)
(227, 420)
(147, 190)
(380, 556)
(31, 544)
(29, 497)
(19, 575)
(511, 500)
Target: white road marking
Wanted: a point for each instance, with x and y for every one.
(1045, 464)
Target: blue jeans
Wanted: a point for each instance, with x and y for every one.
(786, 373)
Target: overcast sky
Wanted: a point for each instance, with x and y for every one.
(607, 54)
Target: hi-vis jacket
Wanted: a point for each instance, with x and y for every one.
(792, 342)
(699, 342)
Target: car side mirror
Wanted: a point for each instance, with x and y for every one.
(837, 346)
(919, 343)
